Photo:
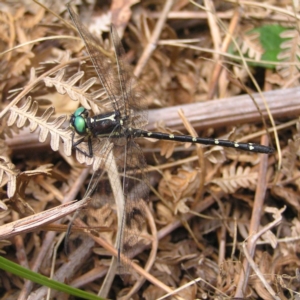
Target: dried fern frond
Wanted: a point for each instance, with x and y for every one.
(6, 132)
(8, 175)
(23, 178)
(75, 93)
(20, 181)
(181, 185)
(291, 157)
(21, 63)
(234, 178)
(30, 21)
(290, 53)
(7, 35)
(23, 34)
(28, 113)
(250, 44)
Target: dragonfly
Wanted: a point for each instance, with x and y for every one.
(116, 129)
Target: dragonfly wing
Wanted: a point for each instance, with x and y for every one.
(133, 100)
(127, 99)
(136, 192)
(102, 65)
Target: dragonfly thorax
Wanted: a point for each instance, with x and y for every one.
(100, 125)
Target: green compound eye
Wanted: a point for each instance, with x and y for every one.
(79, 124)
(79, 111)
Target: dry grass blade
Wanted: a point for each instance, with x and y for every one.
(34, 222)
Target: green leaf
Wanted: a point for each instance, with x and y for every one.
(270, 40)
(269, 37)
(20, 271)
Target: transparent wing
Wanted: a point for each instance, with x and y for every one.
(136, 192)
(130, 171)
(127, 98)
(133, 97)
(101, 63)
(117, 82)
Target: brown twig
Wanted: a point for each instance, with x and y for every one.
(255, 219)
(203, 115)
(218, 66)
(153, 40)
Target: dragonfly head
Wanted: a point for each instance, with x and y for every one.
(78, 120)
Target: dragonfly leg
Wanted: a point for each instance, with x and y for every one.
(75, 144)
(90, 146)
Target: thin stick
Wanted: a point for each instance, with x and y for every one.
(153, 40)
(255, 221)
